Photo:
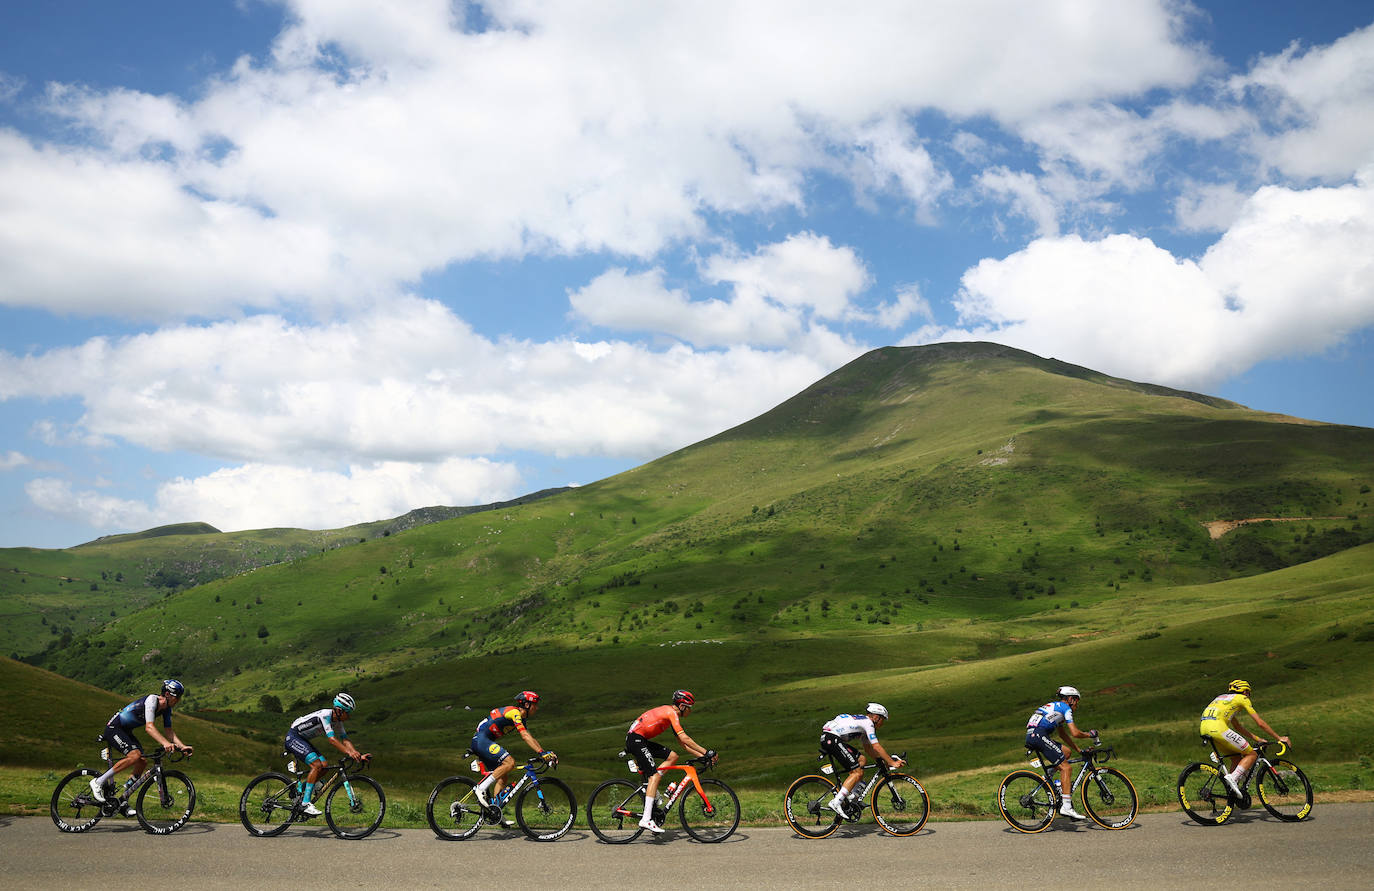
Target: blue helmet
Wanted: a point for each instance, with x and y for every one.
(173, 687)
(345, 702)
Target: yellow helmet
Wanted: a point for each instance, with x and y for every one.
(1240, 686)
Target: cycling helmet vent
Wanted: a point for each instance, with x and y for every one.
(345, 702)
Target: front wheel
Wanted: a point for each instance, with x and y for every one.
(1203, 795)
(355, 807)
(547, 811)
(900, 805)
(1284, 791)
(712, 818)
(267, 805)
(452, 810)
(164, 807)
(805, 807)
(613, 811)
(73, 807)
(1026, 801)
(1110, 798)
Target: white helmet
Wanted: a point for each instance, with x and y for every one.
(345, 702)
(1066, 692)
(876, 709)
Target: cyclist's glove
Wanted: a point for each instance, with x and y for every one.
(549, 756)
(712, 756)
(1093, 734)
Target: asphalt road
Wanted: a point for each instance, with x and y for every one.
(1332, 849)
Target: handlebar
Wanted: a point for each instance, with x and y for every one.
(537, 765)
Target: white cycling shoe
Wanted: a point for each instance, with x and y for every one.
(1067, 810)
(649, 824)
(310, 810)
(98, 790)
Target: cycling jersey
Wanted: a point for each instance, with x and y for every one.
(851, 727)
(141, 712)
(656, 720)
(496, 724)
(1217, 716)
(312, 725)
(1049, 718)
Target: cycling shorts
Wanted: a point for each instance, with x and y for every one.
(121, 739)
(645, 752)
(488, 751)
(845, 755)
(1229, 742)
(1052, 751)
(301, 748)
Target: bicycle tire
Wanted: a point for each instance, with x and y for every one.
(267, 805)
(613, 811)
(163, 814)
(1203, 796)
(75, 809)
(547, 811)
(1027, 801)
(900, 805)
(1110, 798)
(452, 809)
(1285, 791)
(804, 805)
(359, 811)
(712, 819)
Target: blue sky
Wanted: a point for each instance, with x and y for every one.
(316, 262)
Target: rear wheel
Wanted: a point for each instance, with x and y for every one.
(900, 805)
(1026, 801)
(73, 807)
(613, 811)
(1203, 795)
(547, 811)
(1284, 791)
(805, 807)
(267, 805)
(355, 807)
(1110, 798)
(452, 810)
(713, 818)
(166, 806)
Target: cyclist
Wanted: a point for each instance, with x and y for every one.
(639, 744)
(327, 721)
(1221, 724)
(119, 734)
(1057, 715)
(487, 746)
(836, 736)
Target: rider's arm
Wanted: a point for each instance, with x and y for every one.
(531, 741)
(1269, 730)
(689, 744)
(877, 750)
(346, 746)
(1069, 731)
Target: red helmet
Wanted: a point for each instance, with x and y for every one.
(684, 697)
(527, 699)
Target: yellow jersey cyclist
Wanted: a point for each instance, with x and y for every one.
(1221, 724)
(1056, 716)
(837, 735)
(486, 744)
(326, 722)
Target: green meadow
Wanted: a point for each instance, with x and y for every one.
(951, 530)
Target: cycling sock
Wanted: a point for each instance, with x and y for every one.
(309, 791)
(106, 776)
(486, 783)
(649, 805)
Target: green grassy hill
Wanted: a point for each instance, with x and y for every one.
(953, 530)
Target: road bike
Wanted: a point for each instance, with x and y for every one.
(545, 807)
(708, 809)
(161, 799)
(899, 803)
(1283, 788)
(354, 803)
(1029, 801)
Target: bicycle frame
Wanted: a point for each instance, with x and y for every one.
(688, 768)
(337, 773)
(833, 769)
(1089, 759)
(153, 772)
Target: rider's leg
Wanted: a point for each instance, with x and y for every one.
(496, 780)
(317, 766)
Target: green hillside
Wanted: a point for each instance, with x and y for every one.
(952, 529)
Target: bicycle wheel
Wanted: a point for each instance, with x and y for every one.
(1202, 794)
(165, 807)
(1284, 791)
(547, 811)
(452, 809)
(73, 807)
(805, 807)
(1026, 801)
(713, 818)
(358, 811)
(1109, 798)
(267, 805)
(613, 811)
(900, 805)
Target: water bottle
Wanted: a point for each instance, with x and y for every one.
(672, 787)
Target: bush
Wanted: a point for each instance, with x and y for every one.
(269, 703)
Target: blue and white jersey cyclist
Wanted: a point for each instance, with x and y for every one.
(837, 738)
(486, 743)
(1056, 716)
(326, 722)
(142, 712)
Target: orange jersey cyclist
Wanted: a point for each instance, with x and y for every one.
(836, 736)
(486, 744)
(1221, 723)
(640, 746)
(326, 722)
(142, 712)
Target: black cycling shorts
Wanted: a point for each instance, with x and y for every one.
(121, 739)
(645, 752)
(845, 755)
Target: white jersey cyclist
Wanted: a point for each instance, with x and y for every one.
(851, 727)
(316, 723)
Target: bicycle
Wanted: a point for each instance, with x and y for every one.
(1029, 801)
(545, 807)
(1283, 788)
(899, 803)
(615, 806)
(74, 808)
(273, 801)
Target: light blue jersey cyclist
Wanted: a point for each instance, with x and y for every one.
(326, 722)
